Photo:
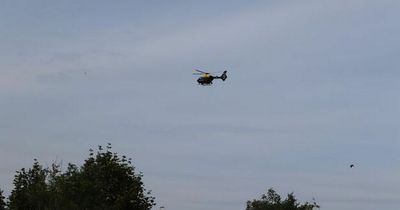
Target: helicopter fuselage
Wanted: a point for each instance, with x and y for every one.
(205, 80)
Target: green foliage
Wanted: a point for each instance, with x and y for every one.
(31, 188)
(104, 182)
(273, 201)
(2, 202)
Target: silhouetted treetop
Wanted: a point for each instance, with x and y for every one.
(273, 201)
(105, 181)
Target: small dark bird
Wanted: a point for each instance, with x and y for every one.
(352, 166)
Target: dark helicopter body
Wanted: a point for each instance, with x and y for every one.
(207, 79)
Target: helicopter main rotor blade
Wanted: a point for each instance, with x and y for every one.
(201, 71)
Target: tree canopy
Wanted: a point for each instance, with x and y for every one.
(2, 202)
(273, 201)
(105, 181)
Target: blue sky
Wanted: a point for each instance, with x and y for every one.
(312, 87)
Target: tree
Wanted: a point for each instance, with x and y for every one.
(273, 201)
(106, 181)
(2, 202)
(30, 189)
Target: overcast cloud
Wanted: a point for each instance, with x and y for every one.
(312, 87)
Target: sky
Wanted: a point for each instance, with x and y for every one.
(313, 86)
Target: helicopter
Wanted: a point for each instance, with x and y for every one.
(206, 78)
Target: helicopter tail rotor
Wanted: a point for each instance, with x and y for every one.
(223, 76)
